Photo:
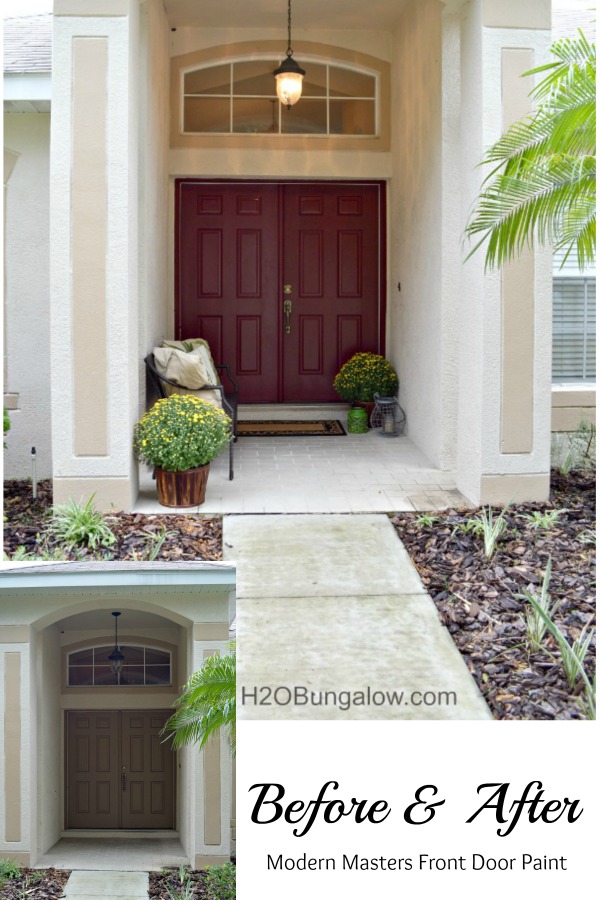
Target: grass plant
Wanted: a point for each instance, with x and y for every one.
(588, 700)
(573, 655)
(489, 527)
(80, 525)
(543, 520)
(540, 612)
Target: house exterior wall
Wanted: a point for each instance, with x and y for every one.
(34, 698)
(155, 286)
(27, 295)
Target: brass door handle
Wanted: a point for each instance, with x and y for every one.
(287, 311)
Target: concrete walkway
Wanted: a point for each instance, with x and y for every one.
(100, 885)
(332, 603)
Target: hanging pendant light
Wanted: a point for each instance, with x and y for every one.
(116, 657)
(289, 75)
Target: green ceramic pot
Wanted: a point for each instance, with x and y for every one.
(358, 421)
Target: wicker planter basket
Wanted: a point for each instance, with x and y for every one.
(187, 488)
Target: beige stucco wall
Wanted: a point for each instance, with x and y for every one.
(27, 299)
(424, 230)
(49, 750)
(272, 157)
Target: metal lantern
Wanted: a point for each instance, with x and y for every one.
(116, 657)
(388, 416)
(289, 75)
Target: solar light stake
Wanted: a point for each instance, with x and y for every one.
(33, 473)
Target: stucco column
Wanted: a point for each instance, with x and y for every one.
(93, 249)
(505, 318)
(214, 801)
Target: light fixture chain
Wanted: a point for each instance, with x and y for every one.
(289, 49)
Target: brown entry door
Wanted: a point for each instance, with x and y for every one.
(119, 773)
(285, 281)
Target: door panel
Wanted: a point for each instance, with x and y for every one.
(227, 279)
(93, 769)
(147, 795)
(332, 262)
(239, 244)
(119, 773)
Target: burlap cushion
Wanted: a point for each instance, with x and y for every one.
(200, 346)
(189, 369)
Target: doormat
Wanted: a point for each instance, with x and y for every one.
(312, 428)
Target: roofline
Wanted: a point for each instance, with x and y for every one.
(219, 576)
(28, 86)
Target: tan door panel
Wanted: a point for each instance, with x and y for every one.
(119, 772)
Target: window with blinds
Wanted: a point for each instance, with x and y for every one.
(574, 329)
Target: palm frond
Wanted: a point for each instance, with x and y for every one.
(206, 705)
(541, 187)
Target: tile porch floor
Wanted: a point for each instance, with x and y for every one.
(356, 473)
(114, 854)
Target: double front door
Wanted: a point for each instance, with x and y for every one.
(285, 281)
(119, 771)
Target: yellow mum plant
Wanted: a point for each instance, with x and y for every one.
(181, 432)
(364, 375)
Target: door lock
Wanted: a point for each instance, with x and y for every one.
(287, 311)
(287, 289)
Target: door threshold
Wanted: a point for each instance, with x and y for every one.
(118, 832)
(291, 412)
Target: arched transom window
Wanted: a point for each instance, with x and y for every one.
(145, 666)
(238, 97)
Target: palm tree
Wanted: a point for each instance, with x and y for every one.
(543, 184)
(206, 705)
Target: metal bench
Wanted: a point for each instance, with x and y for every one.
(228, 399)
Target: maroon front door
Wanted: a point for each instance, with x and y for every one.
(283, 280)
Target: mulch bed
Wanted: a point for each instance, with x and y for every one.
(475, 596)
(35, 884)
(188, 537)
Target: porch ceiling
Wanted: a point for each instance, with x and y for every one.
(338, 14)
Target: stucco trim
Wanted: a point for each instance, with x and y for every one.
(11, 401)
(20, 857)
(499, 489)
(211, 631)
(212, 785)
(89, 236)
(201, 860)
(516, 14)
(518, 278)
(573, 396)
(379, 143)
(569, 418)
(14, 634)
(12, 746)
(110, 493)
(91, 7)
